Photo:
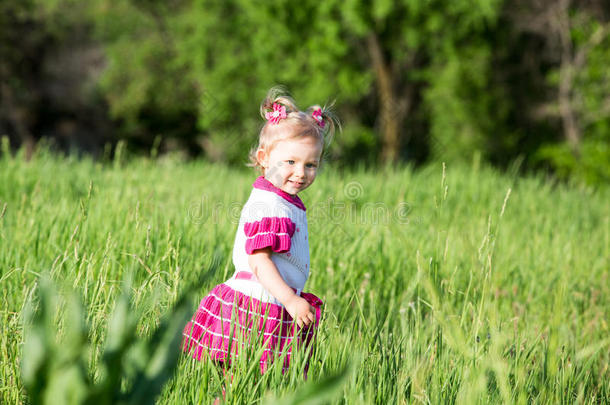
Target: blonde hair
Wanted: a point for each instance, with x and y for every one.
(303, 124)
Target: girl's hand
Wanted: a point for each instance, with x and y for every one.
(263, 267)
(300, 310)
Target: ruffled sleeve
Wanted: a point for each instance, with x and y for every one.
(273, 232)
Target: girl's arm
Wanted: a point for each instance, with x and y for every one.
(269, 276)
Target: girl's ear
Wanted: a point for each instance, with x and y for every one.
(262, 158)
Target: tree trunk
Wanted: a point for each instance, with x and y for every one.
(389, 117)
(566, 79)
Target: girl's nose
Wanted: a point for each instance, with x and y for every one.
(299, 171)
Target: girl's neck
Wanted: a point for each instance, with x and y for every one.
(262, 183)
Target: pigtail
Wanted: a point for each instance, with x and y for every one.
(326, 121)
(277, 95)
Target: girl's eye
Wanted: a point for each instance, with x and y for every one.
(310, 165)
(290, 162)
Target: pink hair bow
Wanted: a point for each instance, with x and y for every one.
(317, 115)
(278, 113)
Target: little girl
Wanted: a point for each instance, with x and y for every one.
(264, 297)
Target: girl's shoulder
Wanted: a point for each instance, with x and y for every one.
(262, 204)
(266, 204)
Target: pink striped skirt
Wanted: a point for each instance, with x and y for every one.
(228, 321)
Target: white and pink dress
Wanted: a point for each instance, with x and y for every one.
(241, 307)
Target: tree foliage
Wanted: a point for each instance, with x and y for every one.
(411, 81)
(583, 73)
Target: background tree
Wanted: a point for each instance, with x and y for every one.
(429, 59)
(254, 46)
(583, 88)
(383, 52)
(563, 84)
(413, 81)
(49, 67)
(148, 89)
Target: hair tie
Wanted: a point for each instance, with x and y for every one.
(317, 115)
(278, 113)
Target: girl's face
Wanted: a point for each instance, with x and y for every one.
(292, 164)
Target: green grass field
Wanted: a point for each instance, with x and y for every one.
(463, 286)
